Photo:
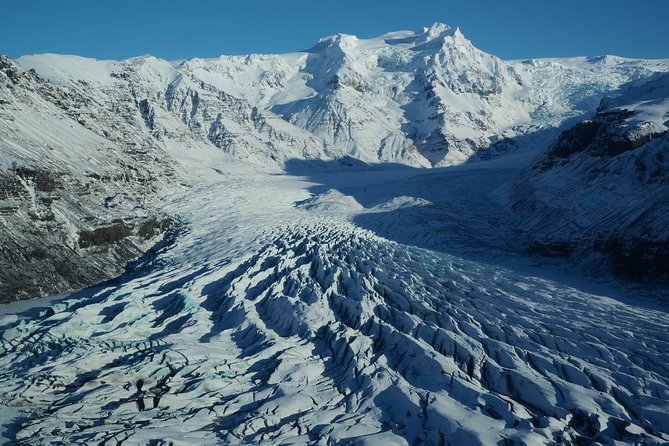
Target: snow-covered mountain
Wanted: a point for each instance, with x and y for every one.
(76, 185)
(602, 189)
(113, 136)
(427, 98)
(298, 280)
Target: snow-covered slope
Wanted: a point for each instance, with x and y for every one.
(424, 98)
(602, 189)
(76, 185)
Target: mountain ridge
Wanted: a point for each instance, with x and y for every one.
(410, 98)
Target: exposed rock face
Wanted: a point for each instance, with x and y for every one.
(600, 194)
(76, 185)
(606, 135)
(635, 257)
(576, 139)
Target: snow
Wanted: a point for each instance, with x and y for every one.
(649, 101)
(272, 321)
(61, 69)
(426, 98)
(307, 297)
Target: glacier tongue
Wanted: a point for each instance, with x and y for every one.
(264, 323)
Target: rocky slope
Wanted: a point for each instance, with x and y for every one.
(602, 191)
(75, 200)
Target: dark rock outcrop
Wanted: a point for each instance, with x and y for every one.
(636, 258)
(576, 139)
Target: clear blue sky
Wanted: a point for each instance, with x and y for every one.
(511, 29)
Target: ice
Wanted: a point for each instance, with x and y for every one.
(319, 286)
(276, 323)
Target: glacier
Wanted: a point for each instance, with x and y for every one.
(344, 245)
(262, 322)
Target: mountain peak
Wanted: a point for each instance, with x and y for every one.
(440, 33)
(435, 34)
(438, 30)
(339, 39)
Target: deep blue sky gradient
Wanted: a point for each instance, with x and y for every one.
(511, 29)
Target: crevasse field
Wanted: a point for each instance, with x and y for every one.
(273, 315)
